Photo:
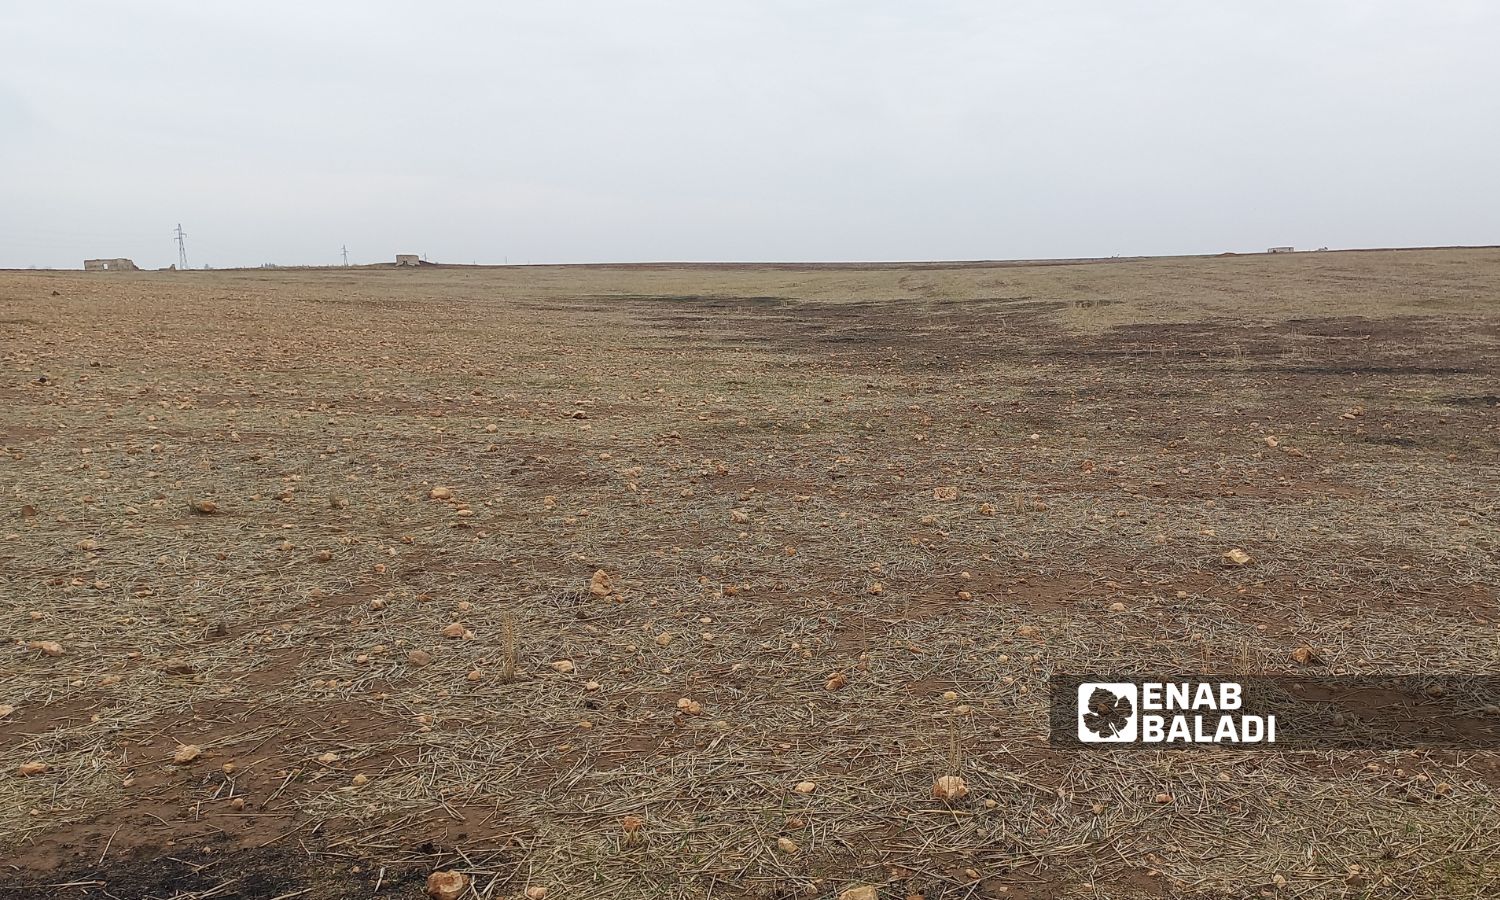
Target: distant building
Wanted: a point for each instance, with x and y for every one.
(1280, 249)
(408, 259)
(109, 265)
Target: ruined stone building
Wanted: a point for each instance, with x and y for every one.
(109, 265)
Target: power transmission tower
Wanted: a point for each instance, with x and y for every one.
(181, 248)
(346, 254)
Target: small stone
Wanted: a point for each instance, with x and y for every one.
(186, 754)
(1306, 656)
(447, 885)
(949, 788)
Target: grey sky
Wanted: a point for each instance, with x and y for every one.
(765, 130)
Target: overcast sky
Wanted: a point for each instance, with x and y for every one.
(742, 129)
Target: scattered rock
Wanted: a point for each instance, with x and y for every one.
(805, 787)
(1237, 557)
(447, 885)
(1306, 656)
(601, 585)
(178, 666)
(946, 494)
(860, 892)
(565, 666)
(455, 630)
(33, 767)
(203, 507)
(441, 493)
(630, 827)
(186, 754)
(949, 788)
(419, 658)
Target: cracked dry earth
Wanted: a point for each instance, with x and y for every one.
(315, 553)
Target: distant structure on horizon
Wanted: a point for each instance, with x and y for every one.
(1280, 249)
(408, 259)
(109, 265)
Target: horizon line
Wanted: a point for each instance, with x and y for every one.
(773, 264)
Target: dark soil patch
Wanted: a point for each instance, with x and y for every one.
(213, 869)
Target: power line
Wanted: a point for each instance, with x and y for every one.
(346, 254)
(181, 248)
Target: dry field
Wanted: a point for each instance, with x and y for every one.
(325, 681)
